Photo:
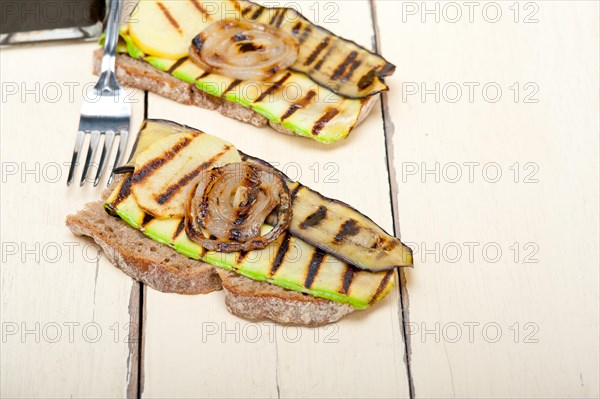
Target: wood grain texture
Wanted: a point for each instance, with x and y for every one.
(65, 312)
(554, 289)
(360, 356)
(522, 327)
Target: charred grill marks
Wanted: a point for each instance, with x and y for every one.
(239, 37)
(351, 70)
(147, 219)
(295, 191)
(231, 86)
(313, 268)
(348, 276)
(280, 19)
(305, 34)
(381, 287)
(124, 192)
(179, 228)
(248, 46)
(176, 65)
(320, 47)
(299, 104)
(200, 8)
(274, 17)
(296, 28)
(174, 188)
(315, 218)
(236, 5)
(257, 13)
(281, 251)
(198, 42)
(241, 256)
(169, 17)
(246, 10)
(386, 69)
(156, 163)
(203, 252)
(235, 234)
(202, 75)
(241, 218)
(366, 79)
(274, 87)
(349, 228)
(341, 68)
(323, 59)
(323, 120)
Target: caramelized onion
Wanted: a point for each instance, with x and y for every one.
(230, 204)
(242, 50)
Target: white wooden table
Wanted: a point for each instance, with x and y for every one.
(483, 156)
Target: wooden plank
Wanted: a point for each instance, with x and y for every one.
(65, 312)
(360, 356)
(533, 311)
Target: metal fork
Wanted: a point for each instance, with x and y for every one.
(104, 111)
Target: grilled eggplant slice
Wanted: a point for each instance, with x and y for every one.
(341, 230)
(287, 262)
(165, 29)
(150, 132)
(331, 225)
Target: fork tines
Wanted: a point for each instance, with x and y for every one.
(104, 112)
(109, 137)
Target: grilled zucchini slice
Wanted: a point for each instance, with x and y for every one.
(167, 171)
(341, 230)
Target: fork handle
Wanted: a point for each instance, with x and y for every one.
(107, 79)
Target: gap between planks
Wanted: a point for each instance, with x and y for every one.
(388, 131)
(137, 316)
(135, 359)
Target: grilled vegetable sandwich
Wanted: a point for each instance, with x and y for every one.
(190, 203)
(257, 64)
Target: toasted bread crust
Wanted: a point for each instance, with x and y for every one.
(163, 269)
(255, 300)
(141, 258)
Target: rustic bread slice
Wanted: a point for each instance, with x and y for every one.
(147, 261)
(163, 269)
(256, 300)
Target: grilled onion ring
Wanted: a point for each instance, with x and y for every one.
(230, 204)
(243, 50)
